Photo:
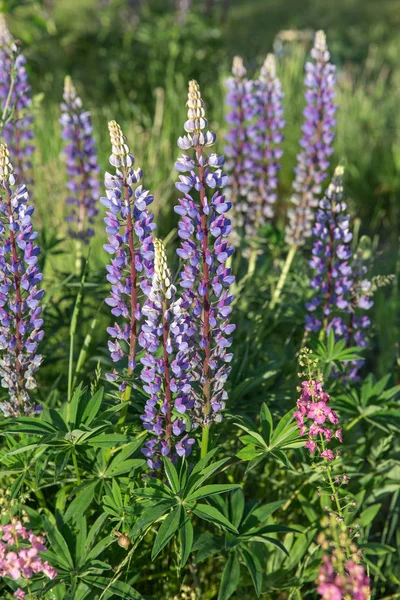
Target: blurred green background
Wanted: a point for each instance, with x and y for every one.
(131, 59)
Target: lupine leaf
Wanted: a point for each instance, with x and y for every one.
(186, 538)
(167, 529)
(230, 577)
(209, 513)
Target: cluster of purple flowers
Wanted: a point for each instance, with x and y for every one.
(315, 418)
(352, 582)
(19, 555)
(241, 110)
(341, 293)
(264, 152)
(81, 161)
(129, 227)
(15, 93)
(165, 375)
(253, 140)
(205, 278)
(316, 142)
(20, 296)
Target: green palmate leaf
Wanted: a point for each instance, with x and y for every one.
(230, 577)
(152, 514)
(108, 440)
(124, 467)
(197, 478)
(94, 531)
(59, 546)
(186, 538)
(266, 423)
(167, 529)
(29, 425)
(114, 588)
(283, 430)
(254, 567)
(92, 407)
(299, 549)
(172, 475)
(237, 504)
(267, 540)
(210, 490)
(81, 503)
(369, 514)
(209, 513)
(262, 513)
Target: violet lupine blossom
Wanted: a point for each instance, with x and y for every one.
(333, 280)
(20, 311)
(242, 109)
(352, 583)
(81, 162)
(341, 293)
(129, 226)
(316, 142)
(17, 131)
(165, 374)
(205, 279)
(19, 555)
(265, 136)
(316, 419)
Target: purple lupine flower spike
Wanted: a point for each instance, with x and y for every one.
(17, 131)
(236, 148)
(165, 374)
(20, 296)
(81, 162)
(265, 151)
(129, 226)
(341, 293)
(316, 143)
(205, 278)
(333, 279)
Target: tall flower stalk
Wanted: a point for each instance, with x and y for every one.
(205, 278)
(265, 151)
(240, 111)
(15, 95)
(165, 373)
(341, 294)
(316, 148)
(129, 227)
(82, 168)
(20, 296)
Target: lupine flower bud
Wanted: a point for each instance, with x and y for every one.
(17, 131)
(264, 152)
(81, 161)
(205, 279)
(165, 375)
(129, 226)
(316, 143)
(20, 296)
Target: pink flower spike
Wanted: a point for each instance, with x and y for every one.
(19, 594)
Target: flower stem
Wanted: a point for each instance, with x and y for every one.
(283, 277)
(167, 377)
(75, 462)
(204, 440)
